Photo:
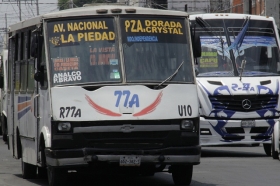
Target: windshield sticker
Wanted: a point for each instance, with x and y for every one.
(66, 64)
(115, 74)
(142, 38)
(215, 43)
(208, 59)
(67, 77)
(114, 62)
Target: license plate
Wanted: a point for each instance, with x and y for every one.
(130, 161)
(248, 123)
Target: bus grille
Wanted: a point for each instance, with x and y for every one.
(118, 136)
(236, 103)
(127, 140)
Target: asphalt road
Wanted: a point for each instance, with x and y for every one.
(228, 166)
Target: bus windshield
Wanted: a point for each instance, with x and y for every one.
(155, 48)
(228, 42)
(85, 51)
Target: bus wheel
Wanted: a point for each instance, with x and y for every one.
(56, 176)
(28, 170)
(267, 149)
(182, 174)
(274, 153)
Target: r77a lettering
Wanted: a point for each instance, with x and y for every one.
(64, 112)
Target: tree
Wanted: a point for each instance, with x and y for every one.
(65, 4)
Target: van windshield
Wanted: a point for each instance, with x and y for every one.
(224, 48)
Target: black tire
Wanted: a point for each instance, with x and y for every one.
(182, 174)
(267, 149)
(56, 176)
(42, 173)
(1, 126)
(274, 153)
(5, 137)
(28, 170)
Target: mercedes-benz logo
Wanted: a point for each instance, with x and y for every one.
(246, 104)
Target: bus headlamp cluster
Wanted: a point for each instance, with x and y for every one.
(65, 126)
(187, 125)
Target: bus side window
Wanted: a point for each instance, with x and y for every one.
(30, 65)
(23, 63)
(17, 64)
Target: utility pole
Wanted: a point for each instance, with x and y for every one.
(19, 6)
(70, 3)
(6, 33)
(272, 9)
(37, 5)
(246, 7)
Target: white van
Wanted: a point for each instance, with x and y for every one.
(238, 78)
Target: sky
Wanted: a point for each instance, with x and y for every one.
(10, 8)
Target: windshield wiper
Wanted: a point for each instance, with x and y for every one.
(243, 63)
(67, 44)
(173, 75)
(236, 44)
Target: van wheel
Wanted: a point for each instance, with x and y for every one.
(4, 128)
(182, 174)
(267, 149)
(274, 153)
(42, 172)
(56, 176)
(28, 170)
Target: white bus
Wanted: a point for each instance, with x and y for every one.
(109, 92)
(3, 74)
(238, 78)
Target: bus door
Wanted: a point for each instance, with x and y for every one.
(15, 124)
(10, 95)
(41, 97)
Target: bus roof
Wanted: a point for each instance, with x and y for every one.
(229, 16)
(93, 10)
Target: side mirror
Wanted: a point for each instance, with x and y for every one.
(196, 71)
(39, 76)
(196, 46)
(1, 76)
(1, 82)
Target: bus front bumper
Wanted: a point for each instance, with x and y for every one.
(82, 157)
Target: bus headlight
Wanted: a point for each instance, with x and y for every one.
(66, 126)
(187, 125)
